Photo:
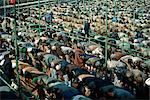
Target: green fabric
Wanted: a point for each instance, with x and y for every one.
(43, 78)
(48, 58)
(35, 80)
(23, 50)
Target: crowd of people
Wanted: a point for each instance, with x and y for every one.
(69, 53)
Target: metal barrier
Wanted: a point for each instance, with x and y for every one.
(39, 3)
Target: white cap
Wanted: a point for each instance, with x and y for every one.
(8, 39)
(53, 47)
(19, 33)
(147, 82)
(23, 70)
(29, 49)
(58, 67)
(43, 18)
(136, 41)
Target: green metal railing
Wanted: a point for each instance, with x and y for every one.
(37, 4)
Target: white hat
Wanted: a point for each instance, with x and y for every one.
(53, 47)
(58, 67)
(147, 82)
(136, 41)
(8, 39)
(29, 49)
(43, 18)
(19, 33)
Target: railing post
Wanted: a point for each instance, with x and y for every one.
(106, 40)
(16, 52)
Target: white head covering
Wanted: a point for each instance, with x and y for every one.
(53, 47)
(19, 33)
(136, 41)
(58, 67)
(147, 82)
(8, 39)
(29, 49)
(43, 18)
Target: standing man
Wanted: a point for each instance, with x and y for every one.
(87, 28)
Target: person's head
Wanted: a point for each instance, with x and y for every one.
(8, 20)
(58, 67)
(86, 91)
(130, 61)
(98, 64)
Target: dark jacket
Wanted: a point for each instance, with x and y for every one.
(7, 68)
(87, 27)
